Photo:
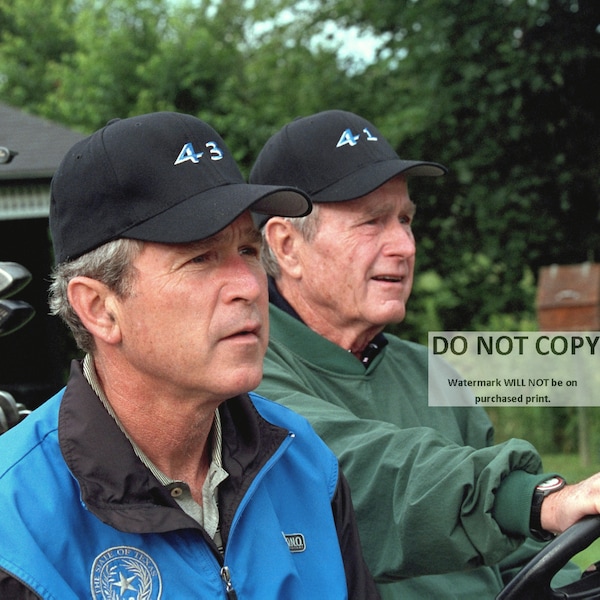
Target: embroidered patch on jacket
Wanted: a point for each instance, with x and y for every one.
(295, 541)
(125, 572)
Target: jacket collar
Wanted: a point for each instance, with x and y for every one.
(122, 492)
(374, 347)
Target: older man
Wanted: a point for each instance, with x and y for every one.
(438, 505)
(154, 474)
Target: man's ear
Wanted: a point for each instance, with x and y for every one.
(92, 301)
(284, 240)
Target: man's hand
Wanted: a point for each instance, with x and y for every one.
(562, 509)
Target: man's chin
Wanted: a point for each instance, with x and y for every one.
(390, 315)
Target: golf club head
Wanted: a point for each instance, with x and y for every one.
(13, 315)
(13, 277)
(11, 412)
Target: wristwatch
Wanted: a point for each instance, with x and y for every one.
(541, 491)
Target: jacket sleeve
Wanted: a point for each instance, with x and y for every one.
(424, 504)
(13, 589)
(361, 585)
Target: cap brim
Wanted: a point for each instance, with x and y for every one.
(205, 214)
(371, 176)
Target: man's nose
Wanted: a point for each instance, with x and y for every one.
(244, 281)
(400, 240)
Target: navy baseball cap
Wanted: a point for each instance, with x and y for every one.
(160, 177)
(335, 156)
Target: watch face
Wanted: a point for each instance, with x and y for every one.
(554, 483)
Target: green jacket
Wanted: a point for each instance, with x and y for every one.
(423, 479)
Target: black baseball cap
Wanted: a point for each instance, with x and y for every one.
(335, 156)
(160, 177)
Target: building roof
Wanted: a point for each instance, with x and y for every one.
(40, 144)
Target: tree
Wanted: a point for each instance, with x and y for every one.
(34, 36)
(238, 66)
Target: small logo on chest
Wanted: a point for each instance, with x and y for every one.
(295, 541)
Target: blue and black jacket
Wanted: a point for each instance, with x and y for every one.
(82, 517)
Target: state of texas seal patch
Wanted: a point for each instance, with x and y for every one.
(124, 572)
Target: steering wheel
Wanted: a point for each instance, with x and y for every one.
(533, 582)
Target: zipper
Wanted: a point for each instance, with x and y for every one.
(226, 577)
(259, 477)
(225, 572)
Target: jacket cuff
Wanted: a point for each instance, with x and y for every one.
(512, 503)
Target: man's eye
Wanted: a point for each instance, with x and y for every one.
(251, 251)
(201, 258)
(373, 221)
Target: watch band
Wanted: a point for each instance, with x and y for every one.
(541, 491)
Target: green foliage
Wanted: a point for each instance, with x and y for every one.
(101, 79)
(34, 35)
(470, 297)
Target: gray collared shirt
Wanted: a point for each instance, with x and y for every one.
(207, 513)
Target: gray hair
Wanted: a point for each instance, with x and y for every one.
(307, 227)
(110, 264)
